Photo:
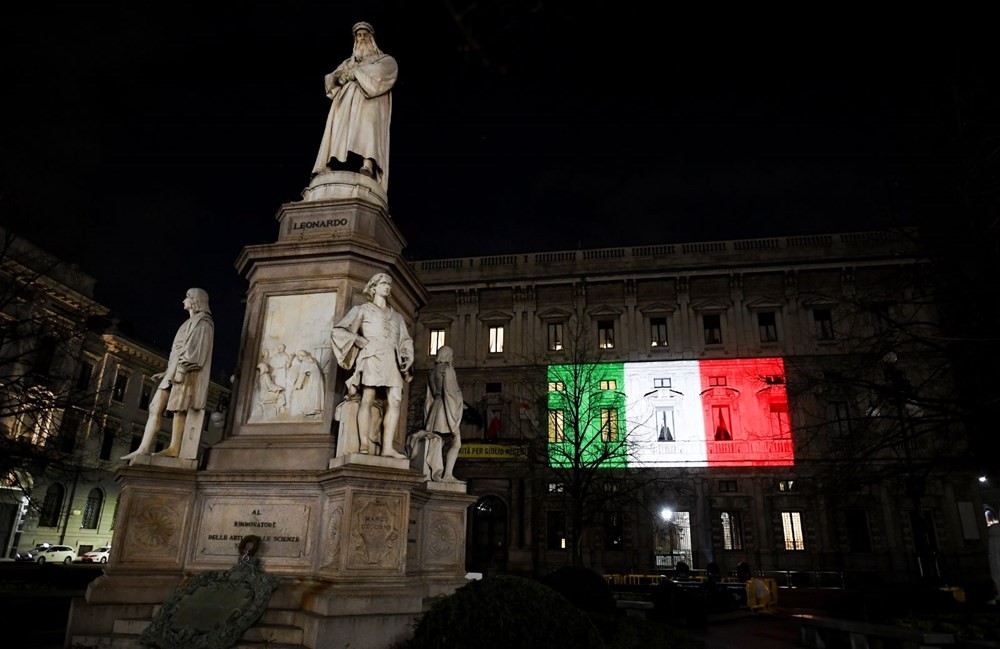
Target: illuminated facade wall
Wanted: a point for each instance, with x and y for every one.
(709, 413)
(709, 355)
(672, 413)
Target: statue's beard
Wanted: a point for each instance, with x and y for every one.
(364, 50)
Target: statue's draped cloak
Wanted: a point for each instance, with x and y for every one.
(359, 116)
(191, 354)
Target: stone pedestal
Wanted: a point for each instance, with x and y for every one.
(364, 544)
(361, 543)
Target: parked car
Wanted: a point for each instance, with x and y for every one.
(100, 555)
(31, 554)
(55, 554)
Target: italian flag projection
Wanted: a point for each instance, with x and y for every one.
(724, 413)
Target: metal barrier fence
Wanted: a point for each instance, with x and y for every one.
(816, 579)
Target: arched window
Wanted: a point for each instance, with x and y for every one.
(92, 512)
(51, 506)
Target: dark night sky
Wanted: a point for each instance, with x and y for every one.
(150, 142)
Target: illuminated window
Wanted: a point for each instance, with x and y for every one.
(120, 386)
(716, 381)
(823, 321)
(732, 531)
(657, 332)
(767, 327)
(859, 537)
(839, 417)
(774, 379)
(92, 511)
(712, 323)
(791, 523)
(556, 488)
(606, 334)
(496, 340)
(437, 341)
(555, 339)
(609, 384)
(145, 396)
(661, 383)
(664, 424)
(555, 533)
(557, 431)
(51, 506)
(787, 485)
(722, 423)
(609, 425)
(614, 531)
(727, 486)
(556, 386)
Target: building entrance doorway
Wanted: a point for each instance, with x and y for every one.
(672, 536)
(488, 547)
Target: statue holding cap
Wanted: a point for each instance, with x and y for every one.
(360, 109)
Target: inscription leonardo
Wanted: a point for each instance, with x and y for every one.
(319, 224)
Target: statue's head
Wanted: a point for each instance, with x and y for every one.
(364, 40)
(444, 355)
(197, 298)
(373, 283)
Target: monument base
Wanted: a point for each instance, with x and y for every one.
(360, 548)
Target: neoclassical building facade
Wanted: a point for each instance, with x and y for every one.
(778, 401)
(75, 395)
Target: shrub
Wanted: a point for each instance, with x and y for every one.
(586, 589)
(636, 633)
(503, 611)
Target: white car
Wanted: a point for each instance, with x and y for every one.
(55, 554)
(100, 555)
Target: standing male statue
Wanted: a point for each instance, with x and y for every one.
(372, 338)
(443, 406)
(183, 388)
(360, 109)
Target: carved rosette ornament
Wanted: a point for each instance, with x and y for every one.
(155, 527)
(443, 542)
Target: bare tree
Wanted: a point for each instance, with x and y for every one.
(46, 318)
(882, 407)
(585, 446)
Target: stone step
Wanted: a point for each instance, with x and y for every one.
(274, 633)
(107, 642)
(132, 642)
(270, 630)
